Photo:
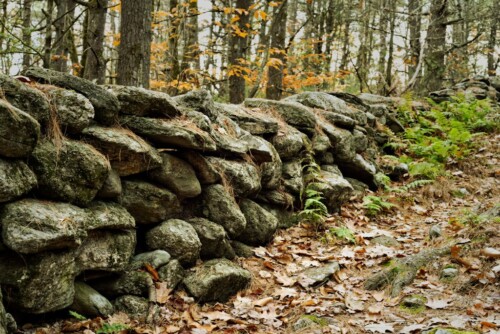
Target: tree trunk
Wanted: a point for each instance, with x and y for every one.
(27, 32)
(414, 23)
(492, 40)
(274, 88)
(48, 34)
(95, 64)
(65, 14)
(237, 53)
(383, 23)
(135, 43)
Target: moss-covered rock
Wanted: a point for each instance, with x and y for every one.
(89, 302)
(288, 142)
(109, 215)
(260, 226)
(254, 122)
(213, 237)
(16, 179)
(243, 177)
(172, 274)
(112, 186)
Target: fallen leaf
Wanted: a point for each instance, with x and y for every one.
(380, 328)
(353, 303)
(437, 304)
(375, 309)
(263, 301)
(411, 329)
(491, 253)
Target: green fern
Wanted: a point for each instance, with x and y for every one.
(112, 329)
(412, 185)
(343, 233)
(375, 205)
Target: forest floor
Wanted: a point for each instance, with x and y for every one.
(277, 302)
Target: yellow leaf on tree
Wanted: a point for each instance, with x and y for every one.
(274, 62)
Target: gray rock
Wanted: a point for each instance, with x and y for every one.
(449, 273)
(385, 241)
(73, 172)
(292, 177)
(105, 250)
(393, 123)
(128, 153)
(227, 135)
(3, 316)
(221, 208)
(288, 142)
(243, 177)
(252, 121)
(148, 203)
(109, 215)
(112, 186)
(271, 171)
(331, 169)
(360, 141)
(201, 120)
(295, 114)
(26, 98)
(19, 132)
(43, 283)
(326, 158)
(261, 224)
(155, 259)
(317, 275)
(285, 216)
(74, 111)
(137, 283)
(259, 149)
(177, 175)
(177, 237)
(181, 133)
(370, 99)
(495, 82)
(134, 306)
(342, 142)
(320, 143)
(205, 171)
(216, 280)
(435, 231)
(199, 100)
(89, 302)
(172, 274)
(361, 170)
(32, 226)
(213, 237)
(336, 190)
(105, 103)
(143, 102)
(277, 197)
(337, 119)
(413, 302)
(16, 179)
(241, 249)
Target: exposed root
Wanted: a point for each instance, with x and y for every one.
(403, 272)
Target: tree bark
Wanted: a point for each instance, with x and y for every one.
(95, 64)
(492, 40)
(274, 88)
(415, 26)
(48, 34)
(27, 32)
(135, 43)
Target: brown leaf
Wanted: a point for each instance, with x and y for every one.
(152, 271)
(438, 304)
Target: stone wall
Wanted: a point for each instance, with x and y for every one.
(97, 183)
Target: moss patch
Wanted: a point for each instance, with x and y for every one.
(450, 331)
(413, 304)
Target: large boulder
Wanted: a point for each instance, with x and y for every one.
(288, 142)
(89, 302)
(216, 280)
(19, 132)
(128, 153)
(16, 179)
(177, 175)
(26, 98)
(261, 224)
(295, 114)
(213, 237)
(181, 133)
(147, 203)
(72, 172)
(106, 250)
(243, 177)
(256, 123)
(105, 103)
(178, 238)
(43, 283)
(73, 111)
(143, 102)
(292, 177)
(258, 148)
(31, 226)
(220, 207)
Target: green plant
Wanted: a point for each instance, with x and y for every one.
(412, 185)
(77, 315)
(343, 233)
(112, 329)
(375, 205)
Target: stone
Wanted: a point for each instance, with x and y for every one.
(414, 302)
(259, 149)
(295, 114)
(335, 189)
(177, 133)
(393, 123)
(16, 179)
(360, 141)
(134, 306)
(449, 273)
(385, 240)
(271, 171)
(137, 283)
(435, 232)
(109, 215)
(216, 280)
(172, 274)
(320, 143)
(42, 284)
(277, 197)
(200, 100)
(227, 135)
(339, 120)
(221, 208)
(205, 171)
(89, 302)
(178, 238)
(32, 226)
(148, 203)
(128, 153)
(243, 177)
(73, 172)
(177, 175)
(370, 99)
(317, 275)
(213, 238)
(286, 216)
(288, 142)
(74, 111)
(261, 224)
(292, 177)
(143, 102)
(201, 120)
(105, 103)
(106, 250)
(19, 132)
(112, 186)
(3, 316)
(155, 259)
(495, 82)
(242, 249)
(252, 121)
(342, 142)
(361, 170)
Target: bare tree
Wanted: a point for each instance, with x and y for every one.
(238, 45)
(95, 64)
(274, 88)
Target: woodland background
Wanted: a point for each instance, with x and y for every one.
(251, 48)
